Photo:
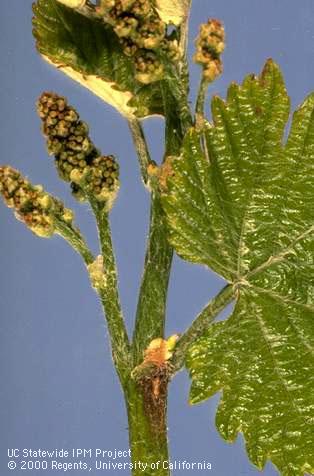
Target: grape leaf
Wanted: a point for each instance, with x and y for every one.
(242, 204)
(88, 51)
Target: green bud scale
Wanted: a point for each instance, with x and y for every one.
(33, 206)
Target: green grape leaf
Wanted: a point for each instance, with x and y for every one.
(241, 203)
(89, 52)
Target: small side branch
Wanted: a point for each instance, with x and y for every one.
(141, 147)
(201, 97)
(109, 296)
(75, 239)
(200, 324)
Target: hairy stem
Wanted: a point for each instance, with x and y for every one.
(140, 146)
(109, 296)
(200, 324)
(147, 428)
(177, 114)
(147, 400)
(151, 309)
(183, 71)
(201, 97)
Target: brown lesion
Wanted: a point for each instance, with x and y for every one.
(159, 174)
(166, 171)
(258, 110)
(154, 390)
(152, 377)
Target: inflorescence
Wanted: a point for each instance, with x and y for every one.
(210, 43)
(33, 206)
(142, 33)
(77, 159)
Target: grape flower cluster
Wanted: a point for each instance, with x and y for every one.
(33, 206)
(77, 159)
(143, 35)
(210, 43)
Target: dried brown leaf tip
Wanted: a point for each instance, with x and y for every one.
(160, 350)
(156, 358)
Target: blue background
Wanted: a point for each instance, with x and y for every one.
(58, 388)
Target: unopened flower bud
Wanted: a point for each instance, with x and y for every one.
(142, 32)
(126, 26)
(104, 179)
(212, 70)
(141, 8)
(67, 216)
(151, 33)
(100, 180)
(210, 43)
(172, 49)
(129, 47)
(117, 8)
(148, 67)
